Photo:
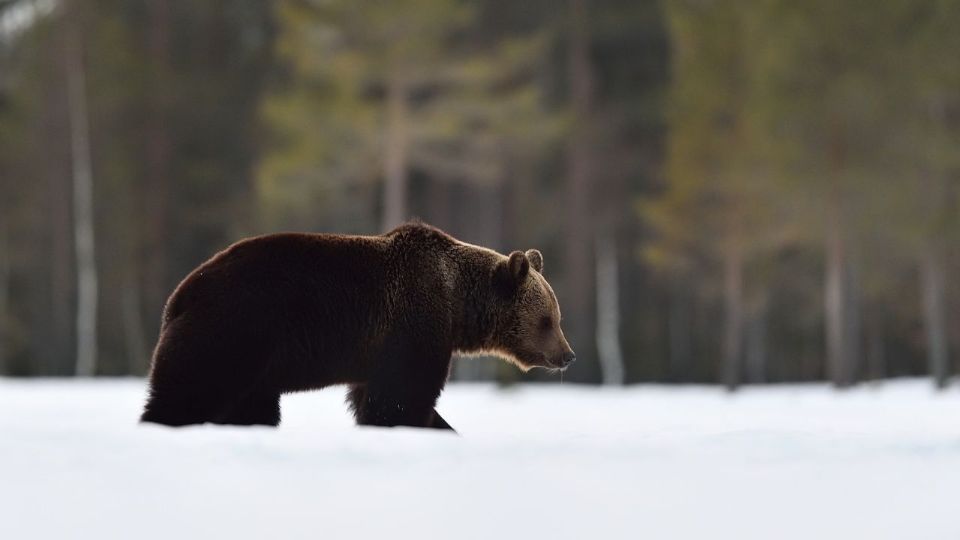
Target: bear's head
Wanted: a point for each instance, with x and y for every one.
(528, 331)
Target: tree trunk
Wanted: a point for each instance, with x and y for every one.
(53, 337)
(876, 354)
(852, 323)
(83, 226)
(156, 197)
(578, 285)
(756, 348)
(678, 332)
(396, 150)
(508, 196)
(57, 339)
(733, 316)
(932, 283)
(834, 305)
(133, 335)
(5, 266)
(608, 312)
(440, 205)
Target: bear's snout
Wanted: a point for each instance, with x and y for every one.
(567, 359)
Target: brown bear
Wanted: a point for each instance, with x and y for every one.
(383, 314)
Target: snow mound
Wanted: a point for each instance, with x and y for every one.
(532, 462)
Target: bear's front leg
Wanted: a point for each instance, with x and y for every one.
(403, 392)
(439, 423)
(356, 397)
(388, 406)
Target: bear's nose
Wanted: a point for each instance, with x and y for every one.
(569, 358)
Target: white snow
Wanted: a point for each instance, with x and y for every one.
(533, 462)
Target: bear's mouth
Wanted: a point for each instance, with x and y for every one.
(563, 361)
(560, 363)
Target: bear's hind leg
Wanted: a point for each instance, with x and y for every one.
(176, 410)
(197, 377)
(259, 409)
(355, 396)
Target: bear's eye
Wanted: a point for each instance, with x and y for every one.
(546, 323)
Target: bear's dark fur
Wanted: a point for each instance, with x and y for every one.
(383, 314)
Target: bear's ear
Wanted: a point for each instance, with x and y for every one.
(510, 273)
(519, 266)
(536, 260)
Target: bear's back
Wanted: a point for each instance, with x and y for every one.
(277, 273)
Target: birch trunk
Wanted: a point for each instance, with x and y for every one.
(608, 313)
(932, 282)
(86, 316)
(834, 304)
(853, 324)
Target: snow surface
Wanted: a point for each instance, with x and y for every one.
(550, 462)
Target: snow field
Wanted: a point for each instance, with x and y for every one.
(782, 462)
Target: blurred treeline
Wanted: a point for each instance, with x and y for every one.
(724, 191)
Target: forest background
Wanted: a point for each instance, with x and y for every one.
(724, 191)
